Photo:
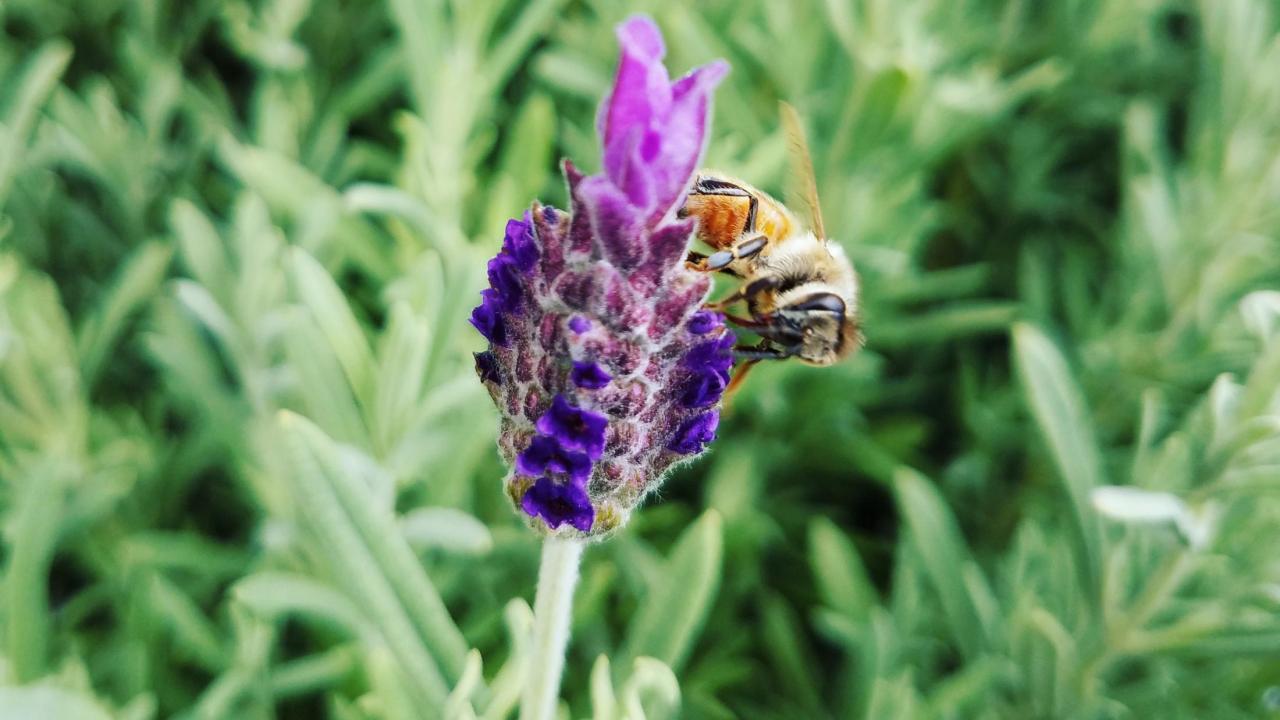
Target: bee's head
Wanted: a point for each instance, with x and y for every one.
(817, 329)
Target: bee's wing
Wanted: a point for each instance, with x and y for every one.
(802, 181)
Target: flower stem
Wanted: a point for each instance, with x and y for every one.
(556, 579)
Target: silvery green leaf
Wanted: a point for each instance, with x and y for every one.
(41, 72)
(839, 571)
(1224, 401)
(1199, 524)
(604, 703)
(458, 705)
(652, 692)
(1146, 507)
(446, 529)
(38, 702)
(946, 560)
(275, 595)
(1135, 505)
(1260, 311)
(680, 597)
(507, 684)
(1058, 406)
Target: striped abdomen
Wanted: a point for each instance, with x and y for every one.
(723, 209)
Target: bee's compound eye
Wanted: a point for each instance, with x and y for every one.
(828, 302)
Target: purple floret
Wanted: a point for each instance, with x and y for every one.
(574, 428)
(559, 504)
(518, 243)
(702, 389)
(579, 324)
(544, 455)
(487, 318)
(487, 367)
(589, 375)
(704, 321)
(695, 433)
(504, 278)
(714, 355)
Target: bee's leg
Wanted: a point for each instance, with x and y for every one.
(723, 303)
(696, 261)
(763, 351)
(750, 248)
(699, 262)
(748, 323)
(735, 382)
(749, 357)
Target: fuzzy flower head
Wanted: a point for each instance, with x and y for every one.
(604, 367)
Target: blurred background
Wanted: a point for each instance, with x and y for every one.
(1066, 217)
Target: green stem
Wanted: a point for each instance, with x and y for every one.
(556, 579)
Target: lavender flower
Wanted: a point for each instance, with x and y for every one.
(603, 365)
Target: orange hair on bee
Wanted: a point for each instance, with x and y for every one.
(720, 217)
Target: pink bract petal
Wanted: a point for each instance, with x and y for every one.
(654, 131)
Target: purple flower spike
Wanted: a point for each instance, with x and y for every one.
(589, 376)
(653, 129)
(604, 367)
(574, 428)
(559, 504)
(545, 455)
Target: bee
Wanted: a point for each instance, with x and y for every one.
(800, 290)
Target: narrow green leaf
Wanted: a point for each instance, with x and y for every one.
(202, 250)
(1060, 412)
(193, 633)
(135, 285)
(783, 639)
(322, 387)
(314, 673)
(446, 529)
(651, 692)
(390, 553)
(43, 70)
(532, 23)
(945, 556)
(315, 468)
(604, 702)
(679, 598)
(509, 682)
(402, 363)
(275, 595)
(842, 580)
(333, 315)
(45, 701)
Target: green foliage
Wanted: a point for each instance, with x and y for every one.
(246, 470)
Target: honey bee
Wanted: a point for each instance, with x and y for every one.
(800, 289)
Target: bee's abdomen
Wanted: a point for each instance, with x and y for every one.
(723, 218)
(720, 217)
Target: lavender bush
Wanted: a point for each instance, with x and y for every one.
(603, 367)
(247, 471)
